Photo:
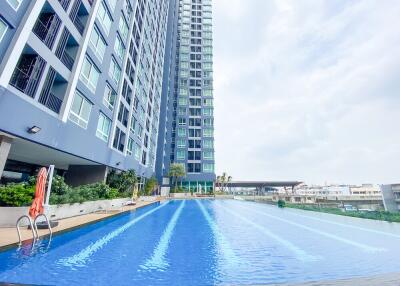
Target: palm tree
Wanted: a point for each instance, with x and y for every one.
(176, 171)
(223, 181)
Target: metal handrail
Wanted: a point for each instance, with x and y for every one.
(31, 225)
(48, 224)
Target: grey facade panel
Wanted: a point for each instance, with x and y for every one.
(19, 111)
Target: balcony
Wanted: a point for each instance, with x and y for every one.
(28, 72)
(64, 4)
(67, 60)
(53, 91)
(52, 102)
(67, 49)
(47, 26)
(79, 25)
(79, 16)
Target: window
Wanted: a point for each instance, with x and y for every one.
(194, 155)
(182, 101)
(207, 92)
(123, 114)
(194, 144)
(3, 29)
(119, 48)
(208, 144)
(208, 122)
(133, 124)
(208, 155)
(104, 17)
(181, 143)
(207, 112)
(123, 28)
(80, 110)
(14, 4)
(181, 132)
(194, 133)
(97, 43)
(109, 97)
(129, 149)
(207, 133)
(208, 168)
(183, 92)
(180, 155)
(182, 121)
(181, 111)
(137, 152)
(89, 74)
(103, 127)
(207, 102)
(112, 4)
(115, 71)
(128, 10)
(119, 140)
(184, 65)
(194, 167)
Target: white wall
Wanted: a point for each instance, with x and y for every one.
(9, 215)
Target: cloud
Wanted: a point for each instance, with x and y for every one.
(307, 90)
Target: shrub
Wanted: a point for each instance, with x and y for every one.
(58, 185)
(92, 192)
(150, 185)
(124, 182)
(281, 203)
(16, 195)
(178, 190)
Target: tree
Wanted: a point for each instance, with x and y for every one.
(176, 171)
(123, 181)
(150, 185)
(223, 181)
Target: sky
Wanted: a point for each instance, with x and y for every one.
(307, 90)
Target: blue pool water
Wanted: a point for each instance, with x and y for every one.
(206, 243)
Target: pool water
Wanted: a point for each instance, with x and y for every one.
(208, 242)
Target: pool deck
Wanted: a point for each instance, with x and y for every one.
(9, 236)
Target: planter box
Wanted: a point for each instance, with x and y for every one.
(180, 195)
(9, 215)
(148, 198)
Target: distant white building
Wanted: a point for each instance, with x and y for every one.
(366, 190)
(338, 190)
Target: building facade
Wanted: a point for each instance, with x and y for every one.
(391, 197)
(81, 85)
(187, 135)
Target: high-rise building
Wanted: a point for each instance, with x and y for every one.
(80, 86)
(187, 135)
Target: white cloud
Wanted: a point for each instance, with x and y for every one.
(308, 90)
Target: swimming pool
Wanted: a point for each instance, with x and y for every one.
(208, 242)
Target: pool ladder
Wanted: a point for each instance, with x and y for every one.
(34, 228)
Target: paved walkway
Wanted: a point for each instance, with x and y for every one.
(9, 236)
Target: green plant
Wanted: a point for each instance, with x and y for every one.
(178, 190)
(85, 193)
(150, 185)
(281, 203)
(223, 181)
(58, 185)
(124, 181)
(16, 195)
(176, 171)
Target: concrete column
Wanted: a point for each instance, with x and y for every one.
(5, 146)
